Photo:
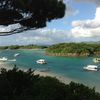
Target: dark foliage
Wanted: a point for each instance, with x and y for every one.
(30, 13)
(19, 85)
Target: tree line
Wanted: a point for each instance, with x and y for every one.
(74, 49)
(22, 47)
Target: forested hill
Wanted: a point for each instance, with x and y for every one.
(74, 49)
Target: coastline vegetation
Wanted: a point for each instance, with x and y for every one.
(63, 49)
(22, 47)
(16, 84)
(74, 49)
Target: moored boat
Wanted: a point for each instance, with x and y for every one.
(96, 60)
(91, 68)
(3, 59)
(41, 61)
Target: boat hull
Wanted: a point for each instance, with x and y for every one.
(90, 69)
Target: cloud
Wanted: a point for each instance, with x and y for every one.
(87, 28)
(71, 12)
(97, 2)
(83, 30)
(69, 9)
(9, 27)
(41, 37)
(44, 37)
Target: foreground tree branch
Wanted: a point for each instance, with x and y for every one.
(30, 14)
(15, 31)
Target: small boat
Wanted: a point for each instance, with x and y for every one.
(41, 61)
(17, 54)
(3, 59)
(96, 60)
(91, 68)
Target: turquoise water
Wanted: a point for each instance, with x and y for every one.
(71, 67)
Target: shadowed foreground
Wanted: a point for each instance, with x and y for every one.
(16, 84)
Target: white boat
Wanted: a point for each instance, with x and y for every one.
(96, 60)
(3, 59)
(41, 61)
(91, 67)
(17, 54)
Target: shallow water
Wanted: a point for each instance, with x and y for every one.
(71, 67)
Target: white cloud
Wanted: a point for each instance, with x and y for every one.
(87, 28)
(83, 30)
(69, 9)
(97, 14)
(71, 12)
(9, 27)
(97, 2)
(40, 36)
(44, 36)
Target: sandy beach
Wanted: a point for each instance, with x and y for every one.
(60, 78)
(41, 73)
(4, 65)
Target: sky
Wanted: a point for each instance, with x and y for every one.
(81, 23)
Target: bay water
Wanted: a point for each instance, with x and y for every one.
(68, 67)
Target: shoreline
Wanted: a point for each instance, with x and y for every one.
(59, 54)
(62, 79)
(71, 54)
(23, 49)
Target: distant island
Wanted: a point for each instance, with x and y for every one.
(63, 49)
(22, 47)
(74, 49)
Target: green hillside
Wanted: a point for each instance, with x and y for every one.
(74, 49)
